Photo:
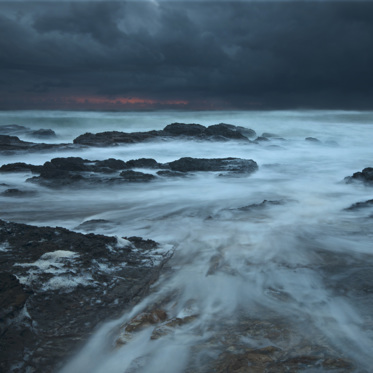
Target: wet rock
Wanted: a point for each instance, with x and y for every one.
(260, 206)
(13, 129)
(261, 139)
(238, 165)
(182, 129)
(10, 144)
(313, 139)
(43, 134)
(218, 132)
(143, 163)
(13, 297)
(57, 285)
(93, 224)
(168, 173)
(360, 205)
(269, 134)
(136, 177)
(223, 131)
(366, 176)
(111, 138)
(170, 325)
(248, 132)
(13, 143)
(20, 167)
(13, 192)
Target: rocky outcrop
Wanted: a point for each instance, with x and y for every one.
(13, 143)
(366, 176)
(57, 285)
(60, 172)
(231, 165)
(17, 130)
(218, 132)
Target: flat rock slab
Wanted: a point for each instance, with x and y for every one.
(58, 285)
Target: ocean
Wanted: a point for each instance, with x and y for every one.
(271, 259)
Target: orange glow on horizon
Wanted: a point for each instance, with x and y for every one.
(123, 101)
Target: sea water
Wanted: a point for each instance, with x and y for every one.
(300, 262)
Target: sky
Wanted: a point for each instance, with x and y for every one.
(189, 55)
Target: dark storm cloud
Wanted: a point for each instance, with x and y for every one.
(234, 54)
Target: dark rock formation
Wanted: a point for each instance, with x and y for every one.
(143, 163)
(15, 129)
(182, 129)
(13, 192)
(360, 205)
(366, 176)
(261, 139)
(57, 285)
(60, 172)
(13, 143)
(220, 132)
(236, 165)
(20, 167)
(168, 173)
(136, 177)
(93, 224)
(43, 134)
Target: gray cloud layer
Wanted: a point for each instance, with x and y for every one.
(231, 54)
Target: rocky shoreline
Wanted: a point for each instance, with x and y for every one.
(57, 286)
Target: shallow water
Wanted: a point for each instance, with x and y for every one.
(302, 265)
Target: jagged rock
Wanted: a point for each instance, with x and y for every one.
(237, 165)
(136, 177)
(360, 205)
(366, 176)
(58, 285)
(262, 205)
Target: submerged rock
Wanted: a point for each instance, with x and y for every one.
(15, 129)
(313, 139)
(58, 285)
(14, 192)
